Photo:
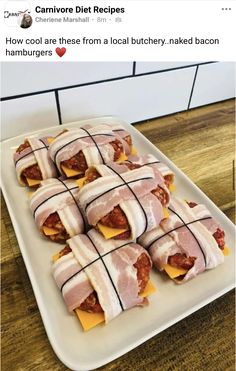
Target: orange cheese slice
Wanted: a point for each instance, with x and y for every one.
(55, 257)
(166, 213)
(172, 187)
(134, 151)
(80, 182)
(70, 172)
(226, 251)
(49, 231)
(149, 290)
(110, 232)
(174, 272)
(30, 194)
(90, 320)
(32, 182)
(122, 158)
(50, 140)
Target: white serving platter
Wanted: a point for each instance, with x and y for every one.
(80, 350)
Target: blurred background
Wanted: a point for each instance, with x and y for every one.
(44, 94)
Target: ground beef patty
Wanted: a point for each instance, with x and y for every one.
(181, 261)
(54, 221)
(32, 172)
(143, 266)
(169, 179)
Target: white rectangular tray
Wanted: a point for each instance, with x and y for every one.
(85, 351)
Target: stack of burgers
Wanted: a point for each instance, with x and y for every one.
(114, 212)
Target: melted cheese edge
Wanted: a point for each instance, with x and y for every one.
(134, 151)
(172, 187)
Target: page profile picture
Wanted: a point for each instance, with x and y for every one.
(24, 20)
(14, 13)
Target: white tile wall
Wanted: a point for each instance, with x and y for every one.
(144, 67)
(27, 77)
(31, 113)
(133, 99)
(214, 82)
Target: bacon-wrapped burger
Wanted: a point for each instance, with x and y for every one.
(33, 163)
(56, 209)
(99, 279)
(124, 204)
(77, 149)
(189, 242)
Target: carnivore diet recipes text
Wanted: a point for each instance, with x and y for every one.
(80, 9)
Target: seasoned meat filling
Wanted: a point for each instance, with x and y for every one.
(23, 146)
(54, 221)
(181, 261)
(161, 195)
(168, 180)
(128, 140)
(78, 162)
(131, 166)
(115, 219)
(143, 266)
(118, 148)
(91, 304)
(219, 236)
(32, 172)
(91, 175)
(191, 204)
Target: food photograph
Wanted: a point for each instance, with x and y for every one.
(118, 216)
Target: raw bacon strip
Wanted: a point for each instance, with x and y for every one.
(150, 160)
(96, 171)
(94, 142)
(187, 231)
(121, 134)
(104, 266)
(132, 191)
(78, 288)
(56, 195)
(36, 154)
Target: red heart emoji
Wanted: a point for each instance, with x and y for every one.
(60, 51)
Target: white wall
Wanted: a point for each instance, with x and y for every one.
(39, 95)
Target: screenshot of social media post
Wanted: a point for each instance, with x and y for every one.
(117, 185)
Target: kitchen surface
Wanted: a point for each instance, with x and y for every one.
(201, 143)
